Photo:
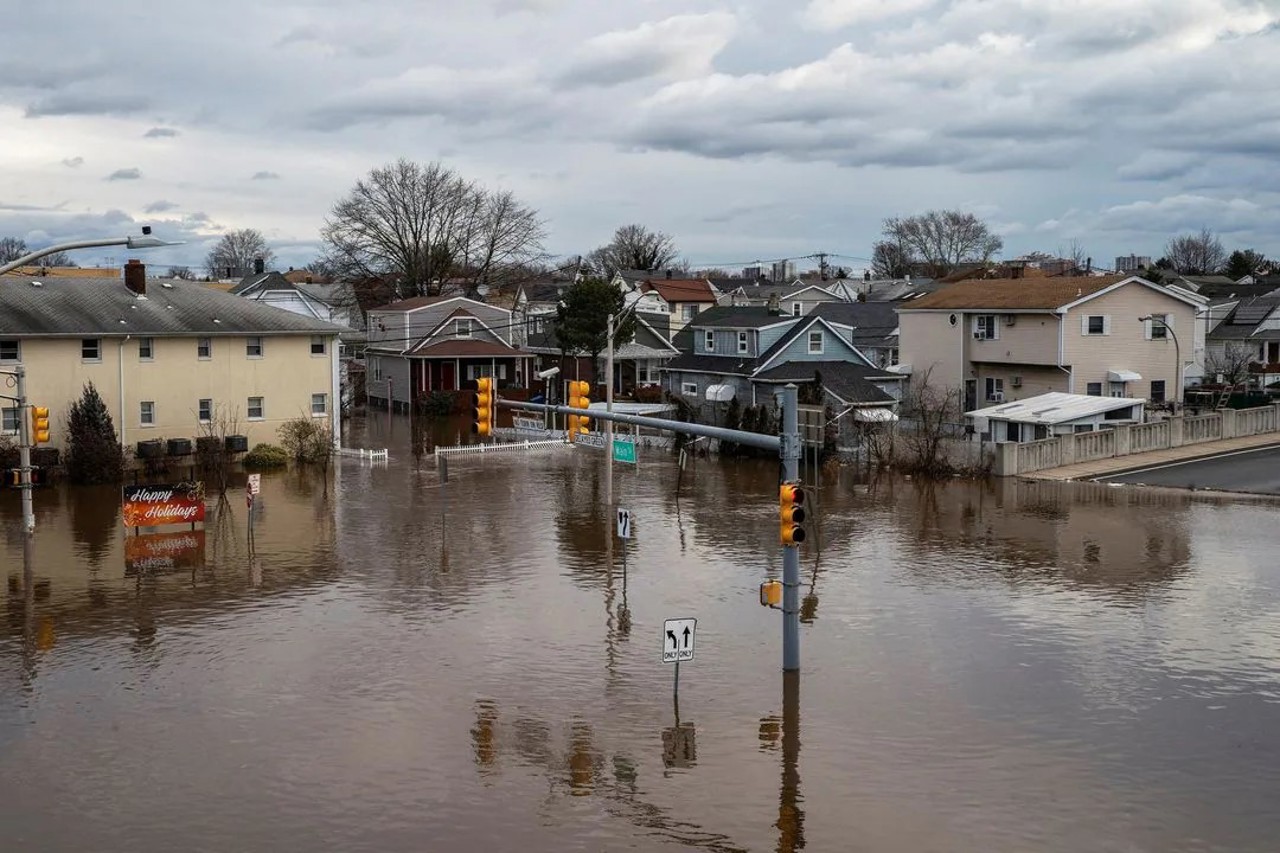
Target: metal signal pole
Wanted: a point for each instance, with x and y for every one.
(789, 451)
(24, 451)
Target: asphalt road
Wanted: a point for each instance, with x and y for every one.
(1255, 471)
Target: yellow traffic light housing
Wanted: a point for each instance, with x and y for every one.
(791, 513)
(39, 425)
(771, 593)
(484, 408)
(579, 398)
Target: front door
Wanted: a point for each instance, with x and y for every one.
(970, 394)
(446, 376)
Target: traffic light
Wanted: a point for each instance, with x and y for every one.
(579, 398)
(483, 407)
(791, 513)
(39, 425)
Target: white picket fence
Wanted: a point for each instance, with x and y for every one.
(498, 447)
(361, 453)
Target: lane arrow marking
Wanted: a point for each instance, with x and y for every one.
(672, 635)
(686, 636)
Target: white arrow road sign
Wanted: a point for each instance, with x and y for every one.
(624, 524)
(677, 639)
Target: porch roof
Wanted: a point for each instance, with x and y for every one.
(455, 348)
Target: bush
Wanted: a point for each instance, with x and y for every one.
(94, 454)
(307, 440)
(648, 394)
(438, 404)
(265, 457)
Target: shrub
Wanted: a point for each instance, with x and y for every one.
(265, 457)
(438, 404)
(94, 454)
(307, 440)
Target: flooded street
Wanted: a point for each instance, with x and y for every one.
(396, 666)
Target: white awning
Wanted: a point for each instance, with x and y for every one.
(877, 414)
(719, 393)
(1123, 376)
(903, 369)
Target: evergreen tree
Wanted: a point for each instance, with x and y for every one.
(94, 455)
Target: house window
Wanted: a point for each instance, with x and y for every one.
(985, 327)
(1159, 327)
(375, 367)
(462, 328)
(205, 411)
(319, 346)
(1116, 389)
(689, 389)
(146, 349)
(1096, 324)
(319, 404)
(9, 350)
(995, 390)
(796, 309)
(147, 413)
(475, 371)
(1157, 390)
(9, 421)
(688, 311)
(709, 340)
(204, 348)
(253, 347)
(1094, 389)
(647, 372)
(742, 342)
(893, 356)
(815, 343)
(255, 408)
(91, 349)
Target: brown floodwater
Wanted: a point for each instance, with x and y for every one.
(391, 665)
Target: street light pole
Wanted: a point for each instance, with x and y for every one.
(24, 451)
(1177, 353)
(146, 241)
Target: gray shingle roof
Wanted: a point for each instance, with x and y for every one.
(693, 363)
(872, 322)
(849, 382)
(738, 317)
(1243, 321)
(76, 307)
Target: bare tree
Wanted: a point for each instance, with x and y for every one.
(1230, 365)
(1196, 254)
(414, 225)
(182, 272)
(890, 259)
(12, 248)
(634, 247)
(1074, 253)
(233, 256)
(944, 239)
(935, 412)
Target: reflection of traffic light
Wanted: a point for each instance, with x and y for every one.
(484, 407)
(579, 398)
(791, 513)
(39, 425)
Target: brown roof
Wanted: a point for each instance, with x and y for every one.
(455, 348)
(305, 277)
(681, 289)
(1041, 294)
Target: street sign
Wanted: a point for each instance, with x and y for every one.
(624, 450)
(677, 639)
(255, 484)
(528, 424)
(590, 439)
(624, 523)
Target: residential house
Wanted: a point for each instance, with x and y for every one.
(744, 352)
(1248, 337)
(171, 360)
(872, 327)
(685, 297)
(636, 364)
(869, 289)
(426, 344)
(796, 298)
(1007, 339)
(333, 303)
(1053, 414)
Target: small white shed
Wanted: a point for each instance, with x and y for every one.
(1055, 413)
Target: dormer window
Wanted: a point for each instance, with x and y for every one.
(709, 341)
(462, 328)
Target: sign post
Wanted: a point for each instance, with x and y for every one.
(678, 637)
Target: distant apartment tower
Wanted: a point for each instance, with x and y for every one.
(754, 272)
(784, 271)
(1132, 263)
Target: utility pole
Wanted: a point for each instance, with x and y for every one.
(823, 268)
(789, 451)
(608, 428)
(24, 451)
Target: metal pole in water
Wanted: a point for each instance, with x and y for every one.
(608, 425)
(789, 452)
(24, 451)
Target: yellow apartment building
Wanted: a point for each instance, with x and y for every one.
(171, 359)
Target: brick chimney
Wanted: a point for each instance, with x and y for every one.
(135, 276)
(259, 266)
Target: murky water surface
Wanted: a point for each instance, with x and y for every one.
(395, 666)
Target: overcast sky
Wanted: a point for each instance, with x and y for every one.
(756, 129)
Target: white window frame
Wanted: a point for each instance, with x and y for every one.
(146, 349)
(97, 346)
(16, 344)
(992, 386)
(476, 371)
(1086, 325)
(458, 326)
(1116, 389)
(10, 421)
(986, 327)
(201, 416)
(797, 308)
(323, 400)
(744, 343)
(688, 311)
(1159, 331)
(689, 389)
(146, 413)
(249, 345)
(262, 409)
(709, 340)
(817, 337)
(204, 349)
(322, 342)
(375, 367)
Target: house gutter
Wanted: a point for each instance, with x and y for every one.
(1071, 374)
(120, 365)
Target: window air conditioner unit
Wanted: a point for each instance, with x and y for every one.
(995, 397)
(1011, 319)
(979, 336)
(1016, 382)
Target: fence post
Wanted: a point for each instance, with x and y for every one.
(1176, 424)
(1123, 438)
(1228, 423)
(1007, 459)
(1067, 449)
